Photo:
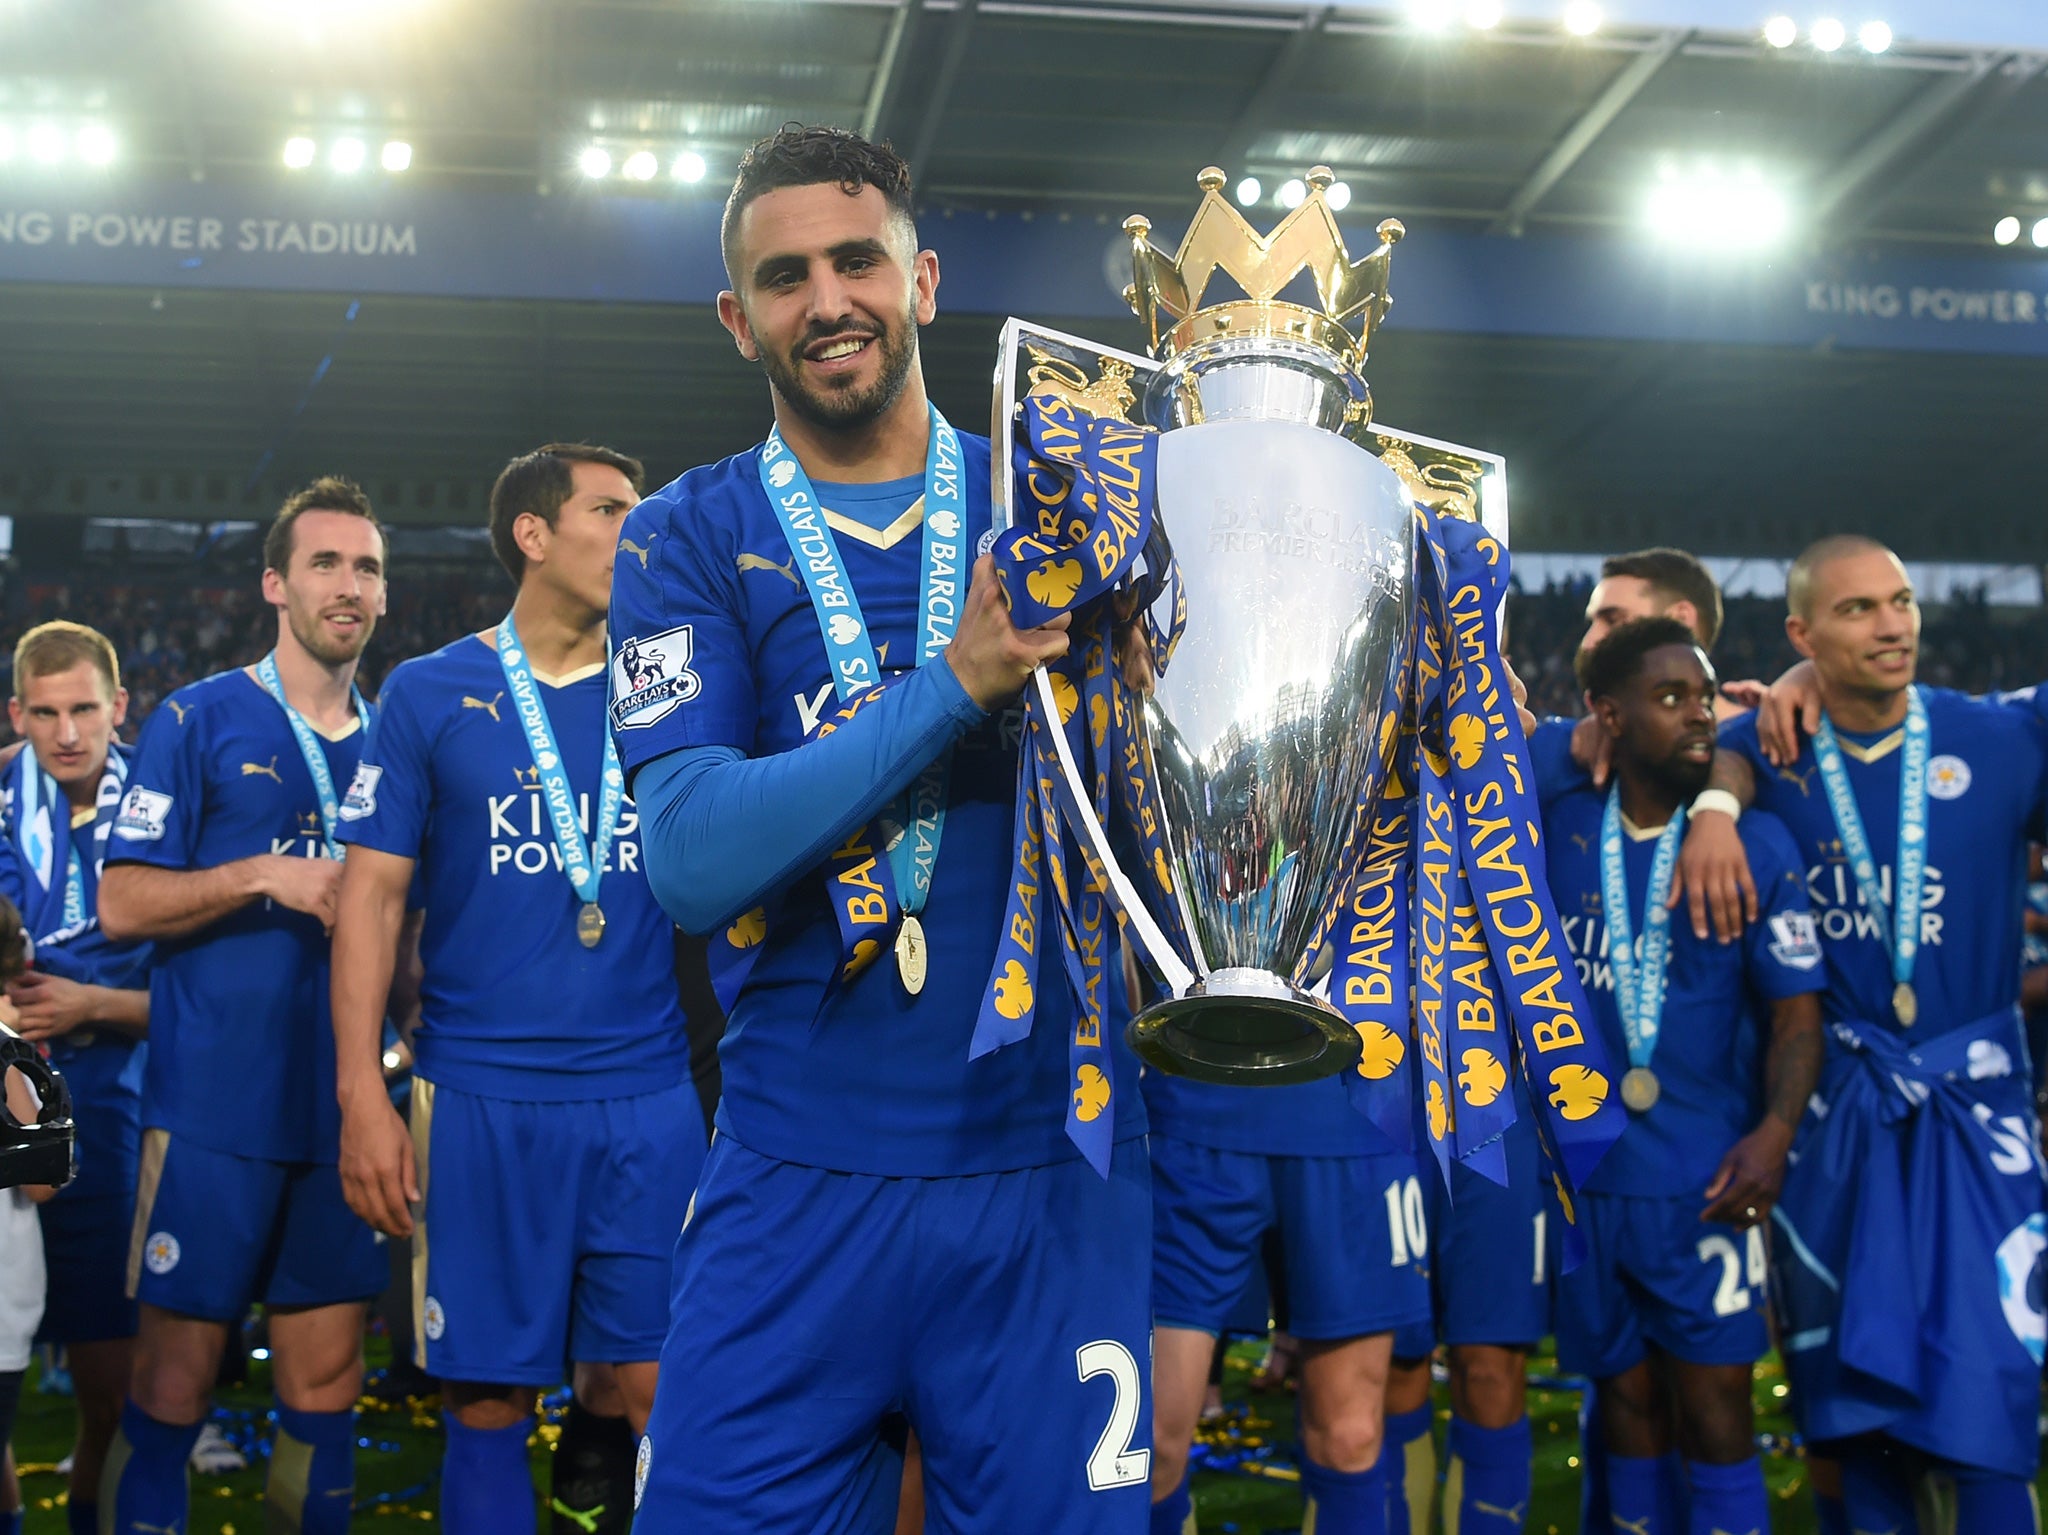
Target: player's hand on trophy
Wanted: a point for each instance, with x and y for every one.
(378, 1176)
(310, 885)
(1521, 692)
(1747, 1182)
(1134, 659)
(992, 657)
(1713, 878)
(1791, 707)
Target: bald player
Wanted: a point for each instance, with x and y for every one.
(1908, 1270)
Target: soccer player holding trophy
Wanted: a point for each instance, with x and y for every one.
(1908, 1277)
(87, 1000)
(553, 1144)
(1668, 1307)
(224, 854)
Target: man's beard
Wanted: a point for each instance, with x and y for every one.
(1682, 777)
(315, 641)
(848, 408)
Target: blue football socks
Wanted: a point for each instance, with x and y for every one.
(486, 1483)
(145, 1475)
(1411, 1461)
(1636, 1500)
(1486, 1487)
(1344, 1502)
(1729, 1498)
(312, 1484)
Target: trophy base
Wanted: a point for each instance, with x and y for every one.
(1245, 1027)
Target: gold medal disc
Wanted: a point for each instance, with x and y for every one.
(590, 924)
(1905, 1004)
(912, 955)
(1640, 1089)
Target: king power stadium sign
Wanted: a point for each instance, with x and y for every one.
(592, 247)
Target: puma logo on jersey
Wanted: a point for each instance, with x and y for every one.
(627, 546)
(490, 708)
(1585, 843)
(1512, 1515)
(747, 562)
(1633, 1526)
(1803, 782)
(181, 710)
(262, 770)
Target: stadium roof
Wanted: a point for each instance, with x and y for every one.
(1083, 109)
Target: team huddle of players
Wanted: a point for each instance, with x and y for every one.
(1800, 933)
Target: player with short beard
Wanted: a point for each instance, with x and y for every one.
(223, 853)
(883, 1225)
(1666, 1312)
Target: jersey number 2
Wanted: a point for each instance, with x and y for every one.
(1113, 1463)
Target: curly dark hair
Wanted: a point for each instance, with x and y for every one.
(797, 155)
(1616, 660)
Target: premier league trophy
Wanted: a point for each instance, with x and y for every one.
(1269, 739)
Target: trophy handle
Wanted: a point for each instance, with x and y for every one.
(1172, 969)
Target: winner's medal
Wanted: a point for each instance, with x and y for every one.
(582, 861)
(910, 831)
(1640, 1089)
(1638, 995)
(912, 955)
(1900, 926)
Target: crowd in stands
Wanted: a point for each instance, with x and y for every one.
(169, 632)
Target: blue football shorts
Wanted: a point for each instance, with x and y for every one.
(85, 1249)
(1494, 1250)
(1004, 1314)
(1353, 1233)
(1654, 1272)
(214, 1233)
(548, 1229)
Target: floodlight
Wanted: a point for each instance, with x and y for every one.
(2006, 231)
(1482, 15)
(1582, 18)
(96, 144)
(640, 166)
(1293, 194)
(1874, 37)
(1432, 15)
(45, 143)
(595, 162)
(1781, 31)
(1338, 196)
(298, 153)
(396, 156)
(689, 166)
(1828, 34)
(1711, 212)
(2040, 235)
(347, 155)
(1248, 191)
(6, 143)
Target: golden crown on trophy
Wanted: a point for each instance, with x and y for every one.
(1167, 293)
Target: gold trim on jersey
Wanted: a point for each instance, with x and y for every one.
(1636, 833)
(1884, 746)
(421, 1115)
(911, 518)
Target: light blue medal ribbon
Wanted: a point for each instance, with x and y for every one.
(912, 854)
(1638, 994)
(1902, 936)
(309, 747)
(582, 861)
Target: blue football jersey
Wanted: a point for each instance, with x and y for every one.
(1985, 773)
(241, 1055)
(1302, 1119)
(856, 1076)
(1717, 996)
(512, 1004)
(1550, 749)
